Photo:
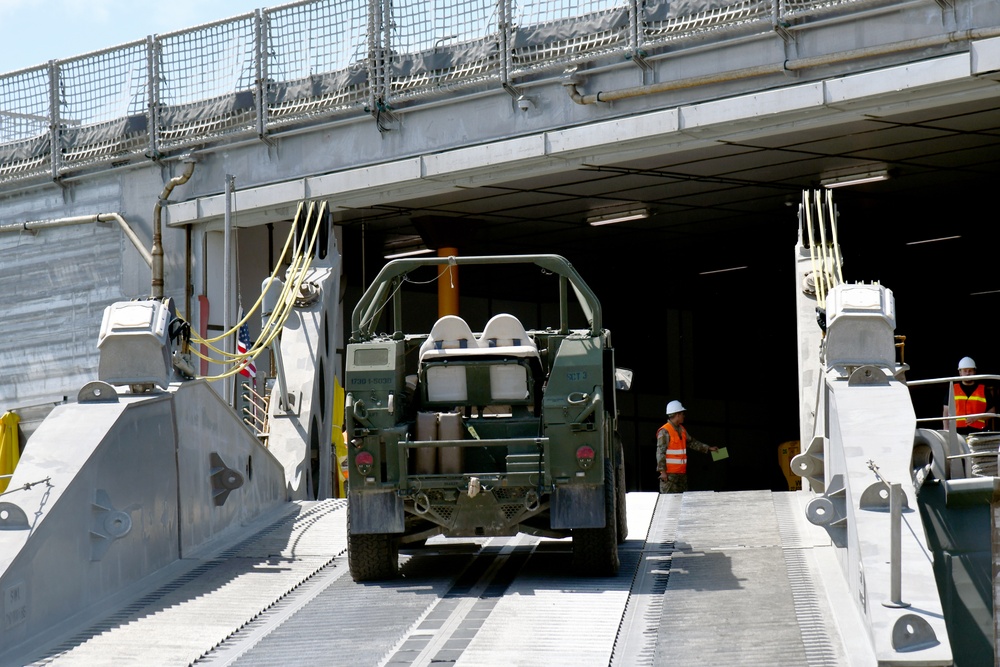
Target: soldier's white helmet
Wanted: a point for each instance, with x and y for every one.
(674, 406)
(966, 362)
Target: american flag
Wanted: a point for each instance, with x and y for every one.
(242, 345)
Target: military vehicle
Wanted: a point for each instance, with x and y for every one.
(494, 433)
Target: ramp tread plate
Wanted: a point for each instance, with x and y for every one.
(546, 611)
(184, 618)
(728, 566)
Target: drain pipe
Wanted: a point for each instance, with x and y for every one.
(32, 227)
(157, 251)
(778, 68)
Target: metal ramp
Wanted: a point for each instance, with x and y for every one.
(706, 579)
(198, 603)
(747, 586)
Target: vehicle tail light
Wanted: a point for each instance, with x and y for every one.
(585, 457)
(363, 462)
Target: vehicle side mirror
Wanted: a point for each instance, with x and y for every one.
(623, 379)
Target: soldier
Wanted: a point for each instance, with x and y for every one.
(672, 443)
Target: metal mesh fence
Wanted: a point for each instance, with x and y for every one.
(791, 9)
(673, 21)
(103, 105)
(550, 34)
(538, 12)
(24, 123)
(316, 59)
(206, 78)
(440, 44)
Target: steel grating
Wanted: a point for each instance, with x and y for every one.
(202, 606)
(727, 567)
(700, 566)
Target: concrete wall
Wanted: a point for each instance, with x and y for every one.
(119, 490)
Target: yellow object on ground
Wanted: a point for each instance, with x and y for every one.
(786, 451)
(339, 441)
(9, 452)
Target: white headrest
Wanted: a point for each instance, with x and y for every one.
(448, 333)
(506, 331)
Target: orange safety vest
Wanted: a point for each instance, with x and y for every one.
(677, 451)
(969, 405)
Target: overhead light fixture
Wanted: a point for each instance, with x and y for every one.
(843, 179)
(410, 253)
(405, 245)
(621, 216)
(732, 268)
(941, 238)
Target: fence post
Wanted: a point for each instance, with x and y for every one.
(503, 37)
(260, 56)
(373, 59)
(634, 32)
(153, 95)
(55, 135)
(383, 53)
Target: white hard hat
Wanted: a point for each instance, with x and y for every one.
(674, 406)
(966, 362)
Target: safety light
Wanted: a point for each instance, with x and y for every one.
(585, 457)
(363, 462)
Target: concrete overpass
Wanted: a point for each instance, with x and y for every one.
(504, 129)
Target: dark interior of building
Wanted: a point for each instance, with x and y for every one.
(705, 312)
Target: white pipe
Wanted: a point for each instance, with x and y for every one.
(778, 68)
(83, 220)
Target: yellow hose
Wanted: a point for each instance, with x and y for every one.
(274, 273)
(817, 275)
(824, 247)
(300, 265)
(836, 242)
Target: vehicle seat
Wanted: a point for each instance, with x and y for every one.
(448, 333)
(505, 335)
(506, 331)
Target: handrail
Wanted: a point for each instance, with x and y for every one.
(973, 417)
(949, 421)
(957, 378)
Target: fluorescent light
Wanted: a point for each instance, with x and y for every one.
(942, 238)
(622, 216)
(409, 253)
(992, 291)
(732, 268)
(840, 180)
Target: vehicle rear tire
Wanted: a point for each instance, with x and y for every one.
(620, 489)
(595, 550)
(372, 557)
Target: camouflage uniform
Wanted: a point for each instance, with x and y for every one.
(675, 482)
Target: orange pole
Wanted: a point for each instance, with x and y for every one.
(448, 285)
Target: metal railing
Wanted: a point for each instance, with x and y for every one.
(975, 454)
(254, 74)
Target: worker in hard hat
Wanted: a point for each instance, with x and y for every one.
(972, 397)
(672, 444)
